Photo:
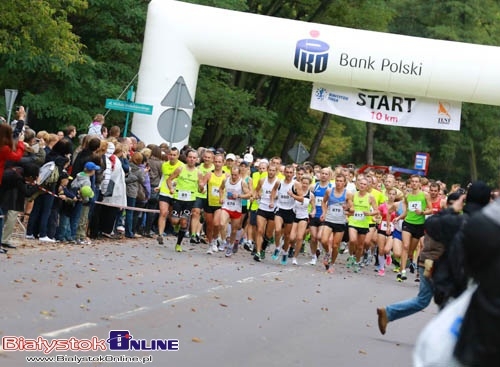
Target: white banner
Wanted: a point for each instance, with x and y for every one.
(387, 108)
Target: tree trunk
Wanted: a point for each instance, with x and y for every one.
(289, 143)
(473, 162)
(370, 134)
(325, 121)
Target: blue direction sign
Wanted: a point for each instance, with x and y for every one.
(116, 104)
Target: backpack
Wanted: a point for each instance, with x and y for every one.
(49, 175)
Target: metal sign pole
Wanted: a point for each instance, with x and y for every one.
(10, 98)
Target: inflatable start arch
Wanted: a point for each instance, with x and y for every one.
(180, 37)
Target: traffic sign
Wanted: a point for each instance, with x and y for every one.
(298, 153)
(10, 97)
(178, 96)
(119, 105)
(174, 125)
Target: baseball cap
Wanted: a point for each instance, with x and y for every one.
(91, 166)
(231, 156)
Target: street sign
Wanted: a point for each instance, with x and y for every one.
(174, 125)
(10, 98)
(298, 153)
(119, 105)
(178, 96)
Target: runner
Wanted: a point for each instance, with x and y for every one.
(301, 219)
(385, 228)
(205, 169)
(288, 192)
(265, 213)
(315, 225)
(232, 190)
(188, 184)
(416, 206)
(334, 207)
(213, 208)
(362, 208)
(166, 198)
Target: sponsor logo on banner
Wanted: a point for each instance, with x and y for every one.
(311, 55)
(387, 108)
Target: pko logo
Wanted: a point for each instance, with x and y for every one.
(311, 55)
(123, 340)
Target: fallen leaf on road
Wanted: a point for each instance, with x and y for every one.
(193, 310)
(222, 304)
(250, 298)
(78, 285)
(196, 340)
(362, 351)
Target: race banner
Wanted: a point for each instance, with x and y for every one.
(387, 108)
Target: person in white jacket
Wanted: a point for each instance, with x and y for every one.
(95, 127)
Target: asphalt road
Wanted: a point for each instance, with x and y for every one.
(223, 311)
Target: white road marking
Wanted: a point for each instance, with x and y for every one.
(180, 298)
(246, 280)
(219, 287)
(68, 330)
(127, 314)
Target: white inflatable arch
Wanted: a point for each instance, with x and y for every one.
(180, 37)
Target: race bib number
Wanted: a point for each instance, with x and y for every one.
(336, 210)
(215, 191)
(184, 195)
(383, 226)
(414, 206)
(231, 203)
(319, 200)
(359, 215)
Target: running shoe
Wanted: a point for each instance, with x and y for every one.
(262, 254)
(160, 239)
(403, 275)
(235, 248)
(248, 245)
(178, 248)
(291, 251)
(388, 260)
(276, 254)
(209, 251)
(229, 251)
(381, 272)
(350, 261)
(417, 278)
(318, 252)
(313, 261)
(30, 237)
(342, 247)
(396, 269)
(256, 257)
(294, 261)
(399, 277)
(222, 245)
(284, 259)
(356, 267)
(413, 266)
(195, 240)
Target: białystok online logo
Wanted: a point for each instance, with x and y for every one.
(119, 340)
